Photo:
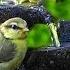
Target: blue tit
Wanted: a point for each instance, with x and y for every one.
(13, 33)
(29, 3)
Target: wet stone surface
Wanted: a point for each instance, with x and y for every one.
(31, 15)
(58, 59)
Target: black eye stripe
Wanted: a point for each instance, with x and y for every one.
(13, 27)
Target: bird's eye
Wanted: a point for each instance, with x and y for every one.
(15, 27)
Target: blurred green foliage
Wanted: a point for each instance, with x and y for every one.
(58, 8)
(39, 36)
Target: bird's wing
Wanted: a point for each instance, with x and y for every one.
(7, 50)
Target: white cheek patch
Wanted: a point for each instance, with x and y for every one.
(13, 30)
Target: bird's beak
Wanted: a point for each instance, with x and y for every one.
(26, 29)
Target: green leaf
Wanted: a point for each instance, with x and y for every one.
(58, 8)
(39, 36)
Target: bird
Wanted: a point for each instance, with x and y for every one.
(13, 33)
(25, 3)
(28, 3)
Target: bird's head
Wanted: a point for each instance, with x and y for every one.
(14, 28)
